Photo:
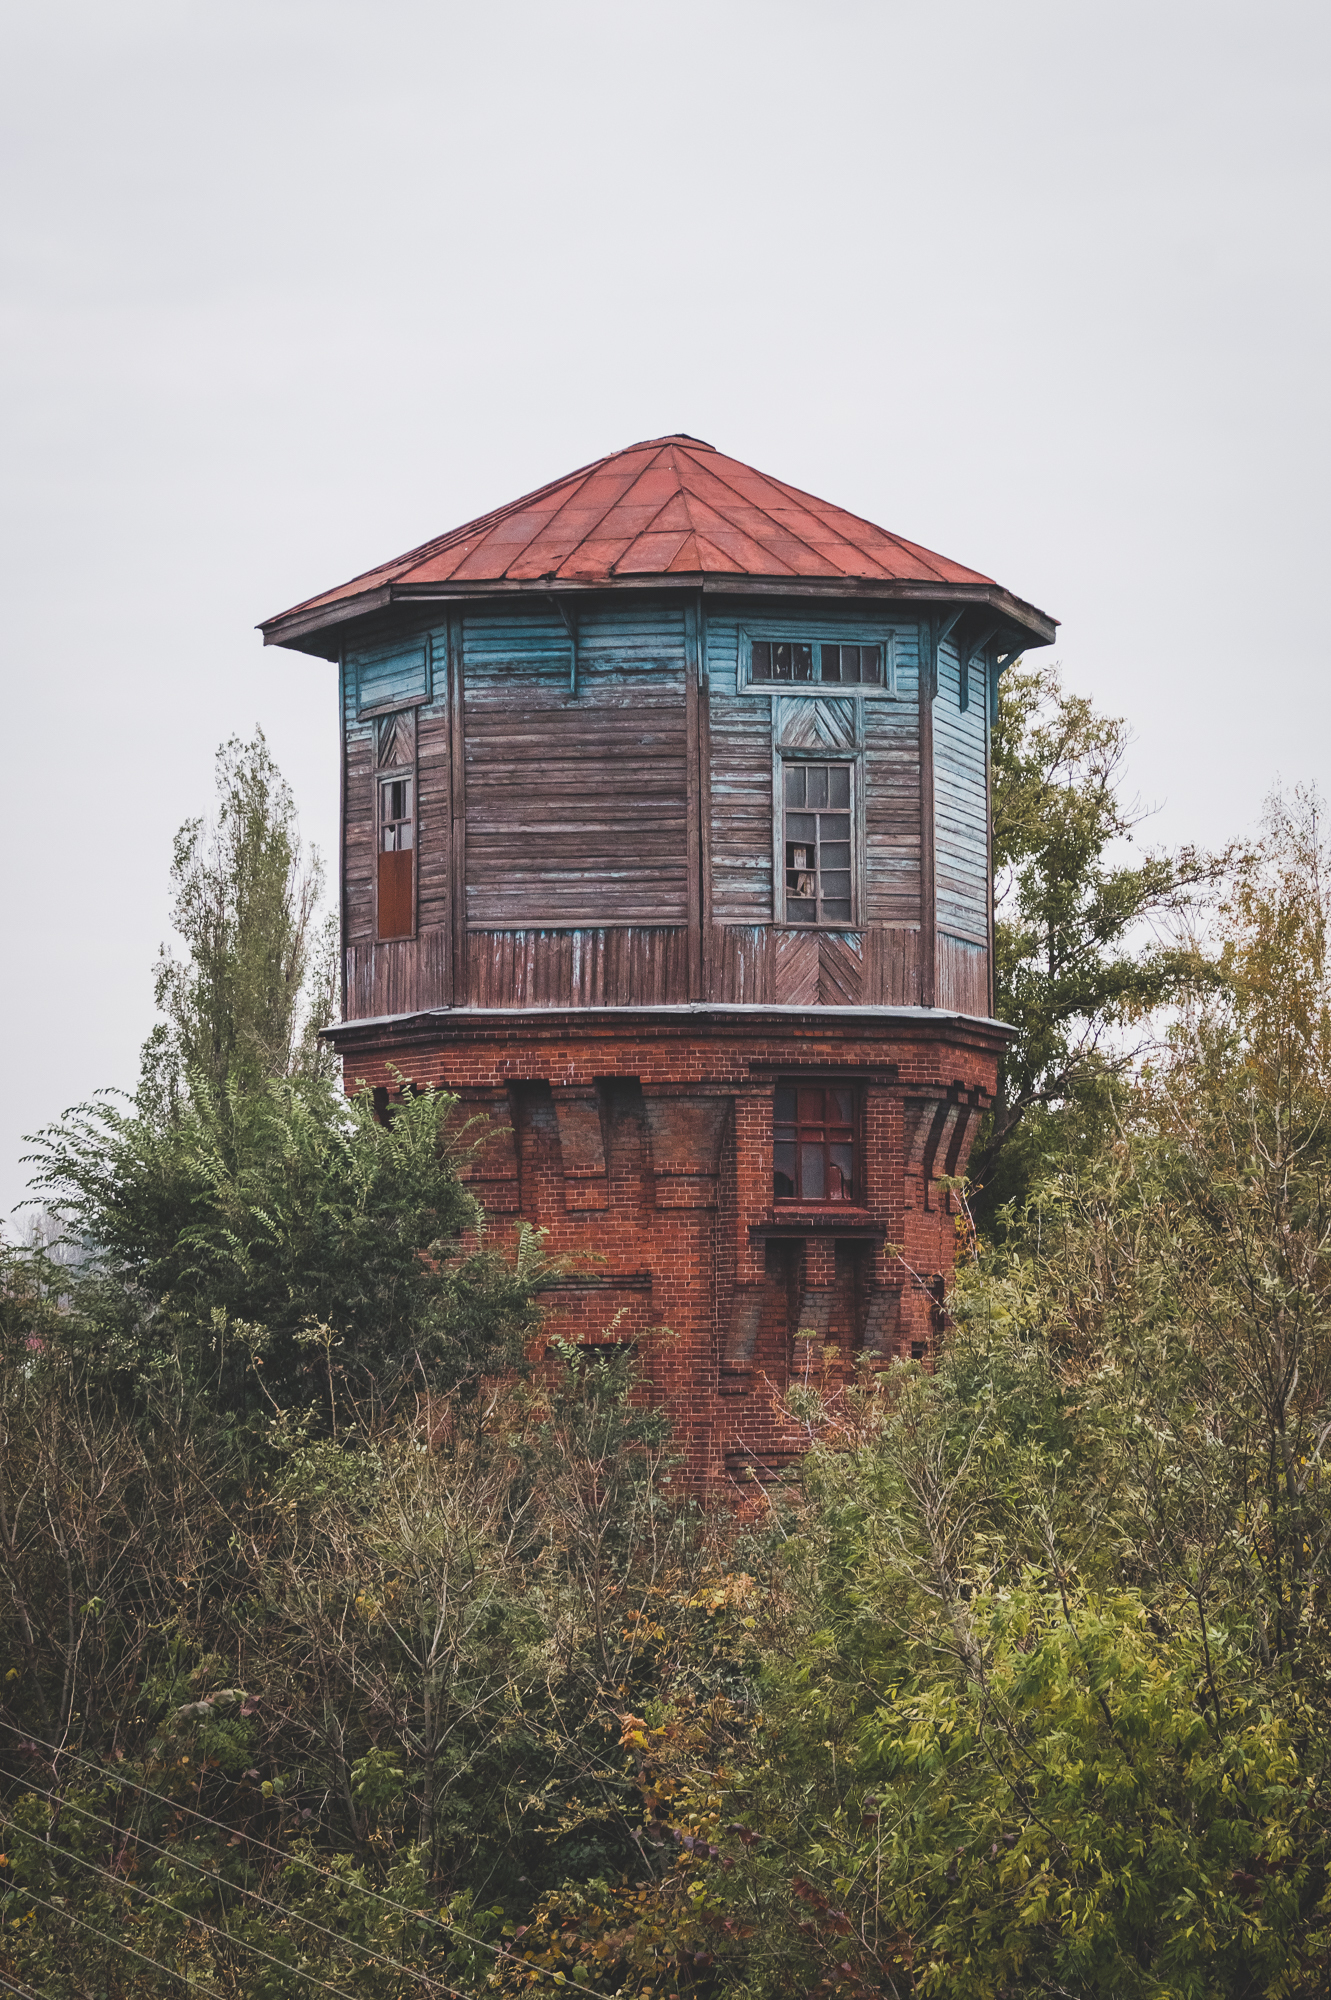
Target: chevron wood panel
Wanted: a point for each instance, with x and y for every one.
(841, 969)
(824, 724)
(794, 964)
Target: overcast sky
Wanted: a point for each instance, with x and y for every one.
(288, 288)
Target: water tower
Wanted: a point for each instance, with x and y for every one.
(665, 844)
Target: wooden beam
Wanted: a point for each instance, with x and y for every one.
(705, 802)
(928, 912)
(570, 619)
(972, 646)
(457, 773)
(693, 798)
(342, 828)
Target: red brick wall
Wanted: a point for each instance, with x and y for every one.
(641, 1142)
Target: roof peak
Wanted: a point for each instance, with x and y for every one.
(646, 512)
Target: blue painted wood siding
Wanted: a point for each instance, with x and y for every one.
(961, 814)
(576, 809)
(741, 775)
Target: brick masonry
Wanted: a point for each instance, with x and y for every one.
(640, 1141)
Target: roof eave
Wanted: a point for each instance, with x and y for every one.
(320, 629)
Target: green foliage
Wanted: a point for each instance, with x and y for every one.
(275, 1242)
(258, 978)
(1085, 943)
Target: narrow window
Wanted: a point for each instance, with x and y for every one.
(396, 857)
(813, 1154)
(816, 820)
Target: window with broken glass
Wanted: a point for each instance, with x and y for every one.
(824, 661)
(813, 1152)
(816, 826)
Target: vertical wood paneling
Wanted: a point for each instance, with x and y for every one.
(621, 966)
(963, 975)
(894, 976)
(403, 976)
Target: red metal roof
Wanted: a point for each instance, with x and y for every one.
(669, 507)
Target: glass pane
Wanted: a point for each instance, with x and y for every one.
(404, 834)
(794, 784)
(785, 1104)
(850, 663)
(836, 826)
(871, 664)
(837, 912)
(811, 1105)
(388, 838)
(831, 663)
(836, 883)
(840, 1178)
(835, 854)
(812, 1185)
(817, 783)
(838, 785)
(800, 913)
(802, 662)
(800, 826)
(841, 1106)
(783, 1170)
(762, 660)
(781, 661)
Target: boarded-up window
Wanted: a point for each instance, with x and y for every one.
(387, 674)
(817, 822)
(814, 1143)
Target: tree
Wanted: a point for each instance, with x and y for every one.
(257, 981)
(1086, 944)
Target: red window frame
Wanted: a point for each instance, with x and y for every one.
(817, 1157)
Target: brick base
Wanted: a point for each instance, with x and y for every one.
(640, 1140)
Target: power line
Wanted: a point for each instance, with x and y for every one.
(280, 1854)
(67, 1916)
(134, 1888)
(266, 1902)
(24, 1992)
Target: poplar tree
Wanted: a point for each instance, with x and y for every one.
(255, 983)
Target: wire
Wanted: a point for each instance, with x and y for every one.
(114, 1777)
(24, 1992)
(119, 1944)
(183, 1860)
(118, 1882)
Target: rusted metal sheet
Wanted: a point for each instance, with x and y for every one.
(670, 507)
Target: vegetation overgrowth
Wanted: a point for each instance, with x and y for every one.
(341, 1651)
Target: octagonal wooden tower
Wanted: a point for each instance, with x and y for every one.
(665, 843)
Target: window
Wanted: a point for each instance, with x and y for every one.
(819, 659)
(396, 856)
(816, 847)
(813, 1154)
(794, 660)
